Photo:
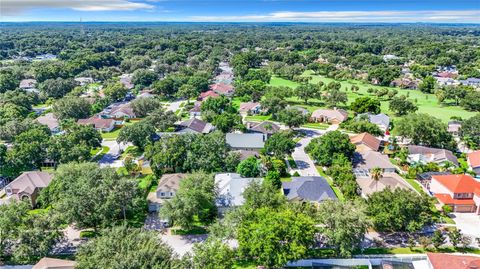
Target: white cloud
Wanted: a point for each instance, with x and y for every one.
(460, 16)
(15, 7)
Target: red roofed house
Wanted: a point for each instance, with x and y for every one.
(100, 124)
(207, 94)
(452, 261)
(460, 192)
(474, 161)
(365, 141)
(222, 88)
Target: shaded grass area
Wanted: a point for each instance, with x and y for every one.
(319, 126)
(100, 151)
(335, 189)
(427, 103)
(258, 118)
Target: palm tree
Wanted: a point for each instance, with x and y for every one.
(376, 174)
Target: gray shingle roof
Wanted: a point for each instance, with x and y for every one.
(314, 189)
(254, 141)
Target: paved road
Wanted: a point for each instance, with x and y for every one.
(114, 150)
(305, 165)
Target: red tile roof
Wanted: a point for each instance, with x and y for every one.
(474, 159)
(446, 199)
(458, 183)
(205, 95)
(98, 123)
(453, 261)
(222, 88)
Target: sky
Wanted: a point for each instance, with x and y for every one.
(434, 11)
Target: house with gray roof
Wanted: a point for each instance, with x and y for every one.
(264, 127)
(230, 189)
(381, 120)
(167, 188)
(424, 155)
(365, 161)
(196, 126)
(29, 85)
(251, 142)
(312, 189)
(51, 121)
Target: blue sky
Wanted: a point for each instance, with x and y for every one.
(460, 11)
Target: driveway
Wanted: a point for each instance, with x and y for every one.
(182, 244)
(305, 165)
(469, 223)
(114, 150)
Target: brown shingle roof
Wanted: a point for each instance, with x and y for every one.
(338, 114)
(28, 182)
(170, 182)
(50, 263)
(98, 123)
(367, 139)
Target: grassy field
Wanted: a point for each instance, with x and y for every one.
(427, 103)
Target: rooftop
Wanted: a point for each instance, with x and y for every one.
(474, 159)
(453, 261)
(253, 141)
(458, 183)
(313, 189)
(367, 139)
(230, 188)
(372, 159)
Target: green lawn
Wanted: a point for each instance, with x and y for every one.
(335, 189)
(257, 118)
(414, 184)
(319, 126)
(111, 135)
(93, 153)
(427, 103)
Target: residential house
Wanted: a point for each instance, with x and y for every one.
(365, 141)
(264, 127)
(474, 82)
(251, 142)
(454, 127)
(99, 123)
(45, 57)
(167, 188)
(426, 178)
(311, 189)
(406, 83)
(51, 121)
(473, 160)
(120, 111)
(230, 189)
(424, 155)
(365, 161)
(388, 57)
(381, 120)
(334, 116)
(450, 261)
(303, 110)
(205, 95)
(460, 192)
(196, 111)
(369, 186)
(445, 81)
(250, 108)
(51, 263)
(244, 154)
(222, 89)
(84, 80)
(195, 125)
(126, 80)
(29, 85)
(27, 186)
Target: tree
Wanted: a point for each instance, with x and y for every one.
(123, 247)
(280, 144)
(144, 77)
(189, 152)
(24, 236)
(362, 126)
(376, 174)
(399, 210)
(226, 122)
(333, 97)
(426, 130)
(212, 254)
(292, 117)
(427, 85)
(455, 236)
(259, 195)
(57, 88)
(274, 238)
(8, 81)
(143, 106)
(139, 134)
(365, 105)
(438, 239)
(258, 74)
(90, 196)
(115, 91)
(194, 198)
(30, 148)
(470, 131)
(471, 101)
(383, 74)
(402, 106)
(273, 178)
(71, 108)
(307, 91)
(343, 224)
(323, 148)
(187, 91)
(249, 167)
